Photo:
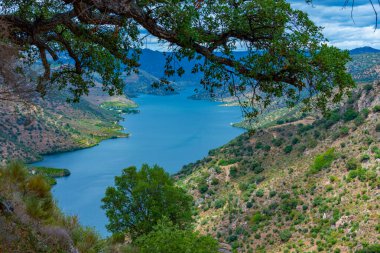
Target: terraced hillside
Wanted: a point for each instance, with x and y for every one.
(303, 186)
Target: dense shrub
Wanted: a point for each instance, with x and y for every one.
(376, 150)
(368, 87)
(375, 248)
(257, 217)
(377, 128)
(344, 131)
(288, 149)
(359, 173)
(40, 208)
(285, 235)
(350, 114)
(232, 238)
(256, 167)
(233, 172)
(259, 145)
(259, 178)
(87, 240)
(260, 193)
(243, 186)
(38, 186)
(295, 140)
(214, 181)
(287, 205)
(365, 158)
(365, 112)
(376, 108)
(167, 238)
(301, 148)
(227, 162)
(203, 188)
(219, 203)
(352, 164)
(267, 148)
(272, 194)
(304, 128)
(323, 161)
(331, 119)
(16, 172)
(278, 141)
(359, 120)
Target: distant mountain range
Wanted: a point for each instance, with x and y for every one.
(364, 50)
(154, 62)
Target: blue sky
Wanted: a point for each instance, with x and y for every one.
(339, 28)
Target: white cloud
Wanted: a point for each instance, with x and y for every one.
(340, 29)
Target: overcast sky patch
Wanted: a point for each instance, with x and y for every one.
(339, 28)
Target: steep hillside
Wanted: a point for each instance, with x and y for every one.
(30, 220)
(365, 67)
(303, 186)
(51, 125)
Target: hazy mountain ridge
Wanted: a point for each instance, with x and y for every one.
(364, 50)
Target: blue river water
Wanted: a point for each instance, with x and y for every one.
(170, 131)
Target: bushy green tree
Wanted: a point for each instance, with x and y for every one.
(168, 238)
(140, 199)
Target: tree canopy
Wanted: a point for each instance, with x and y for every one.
(167, 238)
(140, 199)
(286, 55)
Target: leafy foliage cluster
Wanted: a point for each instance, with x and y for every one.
(146, 206)
(286, 54)
(323, 161)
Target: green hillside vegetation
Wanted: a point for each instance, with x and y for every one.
(273, 117)
(31, 221)
(50, 174)
(118, 106)
(52, 125)
(295, 187)
(365, 67)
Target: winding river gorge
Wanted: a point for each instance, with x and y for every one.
(170, 131)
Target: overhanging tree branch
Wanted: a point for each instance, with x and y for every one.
(285, 50)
